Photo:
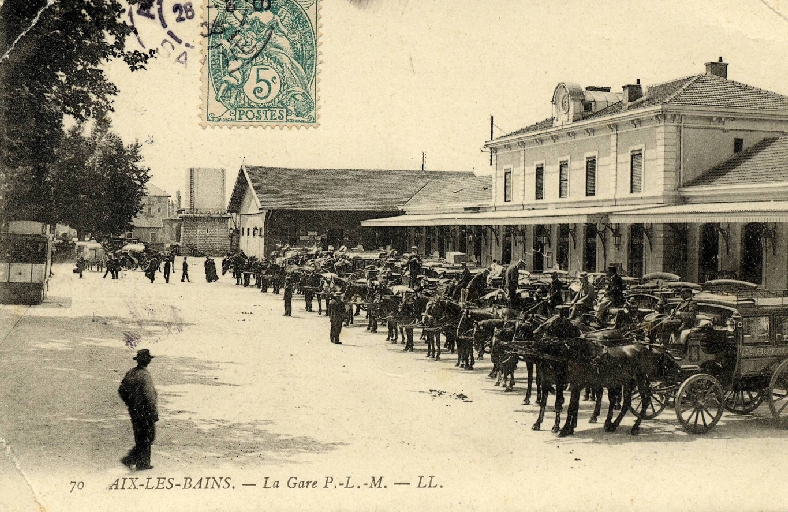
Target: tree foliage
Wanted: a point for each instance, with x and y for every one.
(52, 53)
(98, 180)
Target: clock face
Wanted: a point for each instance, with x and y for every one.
(564, 102)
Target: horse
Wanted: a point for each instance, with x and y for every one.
(432, 333)
(465, 338)
(620, 367)
(447, 315)
(409, 314)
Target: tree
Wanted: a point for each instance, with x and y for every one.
(97, 181)
(51, 54)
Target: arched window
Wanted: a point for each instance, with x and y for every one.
(636, 250)
(589, 248)
(752, 253)
(708, 252)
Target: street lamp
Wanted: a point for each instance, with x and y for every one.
(616, 237)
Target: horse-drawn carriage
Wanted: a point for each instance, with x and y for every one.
(733, 359)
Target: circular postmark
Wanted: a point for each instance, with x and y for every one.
(167, 26)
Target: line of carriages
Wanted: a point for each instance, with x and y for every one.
(732, 356)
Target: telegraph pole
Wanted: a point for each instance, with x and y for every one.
(423, 160)
(492, 136)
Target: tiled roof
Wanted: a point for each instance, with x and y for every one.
(765, 162)
(334, 189)
(541, 125)
(153, 190)
(453, 191)
(697, 90)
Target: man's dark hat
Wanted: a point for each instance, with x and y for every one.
(612, 267)
(143, 354)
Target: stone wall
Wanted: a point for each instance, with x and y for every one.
(207, 234)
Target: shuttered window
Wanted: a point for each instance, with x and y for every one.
(563, 179)
(636, 172)
(507, 186)
(591, 176)
(539, 188)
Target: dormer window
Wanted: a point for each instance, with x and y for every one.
(738, 145)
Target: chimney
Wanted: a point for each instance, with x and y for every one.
(718, 68)
(632, 92)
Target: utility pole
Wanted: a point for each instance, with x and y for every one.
(492, 136)
(423, 160)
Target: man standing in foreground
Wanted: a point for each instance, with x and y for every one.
(137, 392)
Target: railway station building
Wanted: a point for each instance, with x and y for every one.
(272, 207)
(688, 176)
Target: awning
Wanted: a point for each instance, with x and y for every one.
(754, 211)
(581, 215)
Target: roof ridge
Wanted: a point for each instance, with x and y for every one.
(691, 80)
(687, 77)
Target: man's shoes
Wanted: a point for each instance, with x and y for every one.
(127, 461)
(145, 467)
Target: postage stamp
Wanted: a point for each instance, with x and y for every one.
(260, 65)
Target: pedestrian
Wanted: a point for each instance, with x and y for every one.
(336, 313)
(167, 268)
(138, 393)
(288, 297)
(207, 266)
(80, 266)
(309, 294)
(185, 271)
(150, 271)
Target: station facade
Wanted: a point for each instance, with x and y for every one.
(688, 176)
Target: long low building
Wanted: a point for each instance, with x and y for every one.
(273, 206)
(687, 176)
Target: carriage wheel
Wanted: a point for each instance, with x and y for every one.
(743, 401)
(699, 403)
(659, 400)
(778, 391)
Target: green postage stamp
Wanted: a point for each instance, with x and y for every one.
(260, 66)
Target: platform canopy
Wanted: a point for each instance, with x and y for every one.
(581, 215)
(753, 211)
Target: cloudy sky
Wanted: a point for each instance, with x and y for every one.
(399, 77)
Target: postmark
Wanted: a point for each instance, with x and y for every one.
(168, 27)
(260, 63)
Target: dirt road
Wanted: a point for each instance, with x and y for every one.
(259, 411)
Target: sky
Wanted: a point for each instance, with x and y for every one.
(399, 77)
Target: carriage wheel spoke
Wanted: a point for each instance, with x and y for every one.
(780, 411)
(703, 417)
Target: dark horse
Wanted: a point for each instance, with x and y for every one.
(599, 360)
(504, 353)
